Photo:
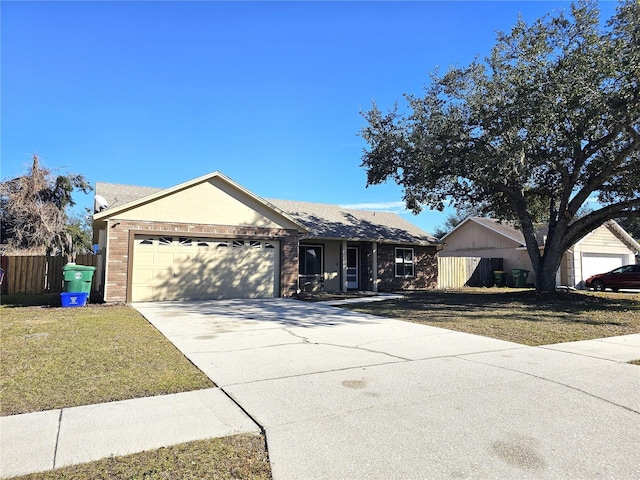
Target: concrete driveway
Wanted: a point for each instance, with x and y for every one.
(343, 395)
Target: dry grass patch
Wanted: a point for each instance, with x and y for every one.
(237, 457)
(519, 316)
(61, 357)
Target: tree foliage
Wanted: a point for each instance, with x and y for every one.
(631, 225)
(33, 210)
(80, 228)
(545, 125)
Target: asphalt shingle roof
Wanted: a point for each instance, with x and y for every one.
(334, 222)
(325, 221)
(117, 194)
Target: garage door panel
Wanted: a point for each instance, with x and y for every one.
(593, 263)
(142, 293)
(145, 257)
(164, 258)
(203, 269)
(145, 275)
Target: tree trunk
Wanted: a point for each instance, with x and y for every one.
(546, 281)
(548, 267)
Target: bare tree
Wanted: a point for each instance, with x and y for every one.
(33, 210)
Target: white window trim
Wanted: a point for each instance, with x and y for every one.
(412, 262)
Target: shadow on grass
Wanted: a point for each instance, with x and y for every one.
(520, 316)
(524, 304)
(569, 302)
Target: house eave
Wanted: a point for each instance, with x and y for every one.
(419, 243)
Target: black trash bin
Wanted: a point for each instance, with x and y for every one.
(500, 278)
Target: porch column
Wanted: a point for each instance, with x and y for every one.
(343, 266)
(374, 265)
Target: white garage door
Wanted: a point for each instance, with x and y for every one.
(593, 263)
(180, 268)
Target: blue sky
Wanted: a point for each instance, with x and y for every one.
(157, 93)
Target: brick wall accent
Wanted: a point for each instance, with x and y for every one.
(425, 269)
(120, 242)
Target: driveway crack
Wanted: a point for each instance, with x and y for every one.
(557, 382)
(350, 347)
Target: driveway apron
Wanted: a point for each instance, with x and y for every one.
(343, 395)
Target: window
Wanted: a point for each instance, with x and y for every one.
(268, 245)
(255, 244)
(146, 241)
(165, 240)
(238, 243)
(310, 261)
(184, 241)
(404, 262)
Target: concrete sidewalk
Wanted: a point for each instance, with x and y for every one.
(346, 395)
(41, 441)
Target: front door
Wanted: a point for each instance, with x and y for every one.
(352, 268)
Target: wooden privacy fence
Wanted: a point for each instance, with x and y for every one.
(37, 274)
(457, 272)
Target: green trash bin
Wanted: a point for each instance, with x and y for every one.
(499, 278)
(77, 278)
(519, 277)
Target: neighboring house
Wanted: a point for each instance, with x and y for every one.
(605, 248)
(212, 238)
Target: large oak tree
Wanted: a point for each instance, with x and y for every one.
(546, 125)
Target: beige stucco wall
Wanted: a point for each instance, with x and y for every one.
(213, 202)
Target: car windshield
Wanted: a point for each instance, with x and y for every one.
(625, 269)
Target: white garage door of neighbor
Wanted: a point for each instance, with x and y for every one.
(181, 268)
(593, 263)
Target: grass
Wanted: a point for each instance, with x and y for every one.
(61, 357)
(519, 316)
(236, 457)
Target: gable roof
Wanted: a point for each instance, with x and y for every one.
(321, 221)
(504, 228)
(623, 235)
(129, 196)
(508, 229)
(332, 222)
